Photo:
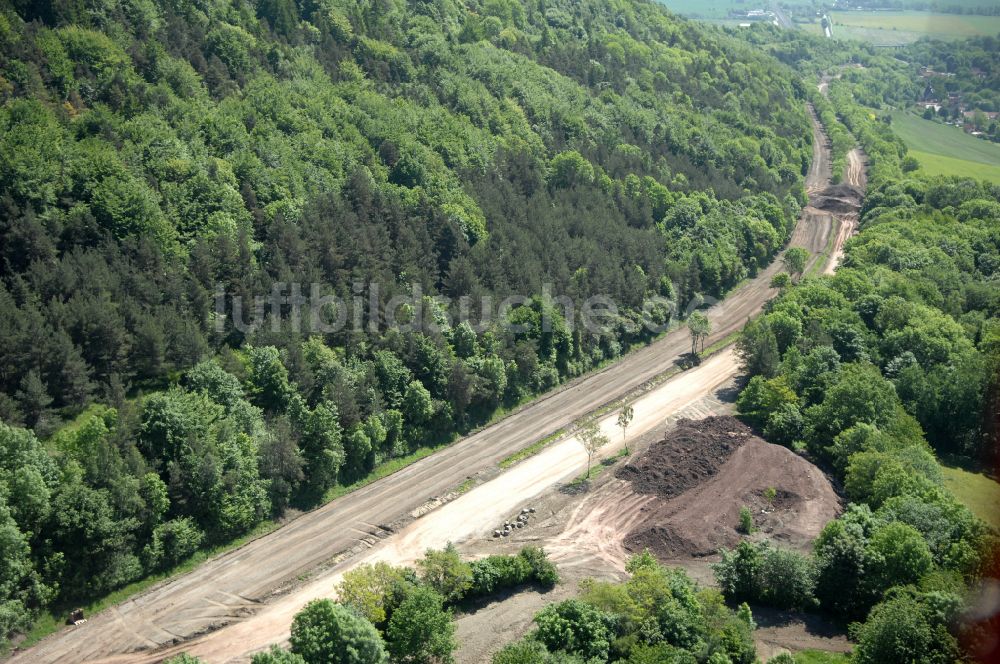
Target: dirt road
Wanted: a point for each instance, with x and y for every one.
(857, 177)
(253, 591)
(474, 514)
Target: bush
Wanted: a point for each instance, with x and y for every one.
(902, 630)
(421, 630)
(577, 628)
(784, 425)
(761, 573)
(787, 579)
(495, 573)
(522, 652)
(328, 633)
(543, 570)
(172, 542)
(446, 573)
(277, 655)
(746, 520)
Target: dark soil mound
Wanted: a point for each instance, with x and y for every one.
(841, 198)
(783, 500)
(666, 543)
(691, 453)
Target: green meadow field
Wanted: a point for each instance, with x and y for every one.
(709, 9)
(944, 150)
(717, 9)
(888, 28)
(977, 492)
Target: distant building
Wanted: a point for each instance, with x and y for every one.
(990, 115)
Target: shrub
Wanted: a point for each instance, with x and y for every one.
(497, 572)
(577, 628)
(172, 542)
(746, 520)
(762, 573)
(328, 633)
(421, 630)
(543, 570)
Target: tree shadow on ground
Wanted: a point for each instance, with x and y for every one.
(813, 623)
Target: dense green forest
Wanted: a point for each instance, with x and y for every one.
(872, 372)
(155, 154)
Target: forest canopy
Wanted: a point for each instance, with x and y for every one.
(156, 154)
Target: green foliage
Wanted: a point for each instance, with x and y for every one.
(543, 570)
(570, 169)
(857, 395)
(878, 365)
(522, 652)
(759, 572)
(183, 658)
(907, 627)
(746, 520)
(172, 542)
(146, 160)
(900, 554)
(324, 632)
(498, 572)
(757, 349)
(446, 573)
(656, 615)
(154, 153)
(576, 628)
(420, 630)
(762, 398)
(794, 260)
(277, 655)
(373, 590)
(700, 327)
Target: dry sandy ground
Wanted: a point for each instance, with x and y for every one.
(244, 599)
(856, 176)
(469, 516)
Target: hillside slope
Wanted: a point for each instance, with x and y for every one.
(158, 159)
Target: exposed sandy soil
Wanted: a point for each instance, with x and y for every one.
(856, 178)
(471, 516)
(570, 526)
(243, 600)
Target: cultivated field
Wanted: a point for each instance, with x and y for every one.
(944, 150)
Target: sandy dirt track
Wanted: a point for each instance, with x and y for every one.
(252, 592)
(856, 176)
(474, 514)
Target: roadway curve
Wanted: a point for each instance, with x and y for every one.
(262, 577)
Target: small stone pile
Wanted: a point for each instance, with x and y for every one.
(520, 521)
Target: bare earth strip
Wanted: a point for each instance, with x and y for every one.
(856, 177)
(245, 599)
